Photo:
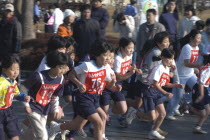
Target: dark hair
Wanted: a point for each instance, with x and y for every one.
(208, 22)
(191, 35)
(165, 9)
(70, 42)
(56, 5)
(206, 59)
(159, 37)
(99, 47)
(124, 42)
(190, 8)
(85, 7)
(120, 17)
(200, 24)
(51, 7)
(133, 2)
(148, 45)
(8, 60)
(153, 11)
(167, 53)
(55, 42)
(56, 58)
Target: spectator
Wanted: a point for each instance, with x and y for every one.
(204, 47)
(118, 9)
(131, 9)
(65, 29)
(37, 15)
(86, 31)
(10, 32)
(169, 19)
(101, 15)
(58, 17)
(200, 25)
(148, 30)
(49, 20)
(188, 22)
(125, 25)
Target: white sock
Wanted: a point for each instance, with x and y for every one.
(103, 135)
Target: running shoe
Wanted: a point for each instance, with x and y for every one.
(63, 134)
(52, 131)
(177, 113)
(82, 133)
(162, 132)
(131, 115)
(122, 122)
(172, 118)
(199, 131)
(155, 135)
(105, 138)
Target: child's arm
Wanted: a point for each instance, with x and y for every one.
(127, 75)
(111, 85)
(74, 79)
(167, 94)
(170, 85)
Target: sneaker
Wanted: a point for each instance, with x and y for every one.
(63, 134)
(105, 138)
(82, 133)
(155, 135)
(172, 118)
(199, 131)
(52, 132)
(123, 122)
(162, 132)
(186, 112)
(177, 113)
(131, 115)
(38, 31)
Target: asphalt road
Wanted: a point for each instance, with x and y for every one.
(181, 129)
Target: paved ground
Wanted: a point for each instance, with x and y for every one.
(180, 129)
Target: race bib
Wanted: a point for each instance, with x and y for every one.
(164, 79)
(125, 67)
(9, 96)
(43, 96)
(95, 81)
(194, 56)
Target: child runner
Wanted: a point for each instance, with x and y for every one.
(201, 96)
(8, 89)
(44, 87)
(90, 82)
(186, 66)
(152, 98)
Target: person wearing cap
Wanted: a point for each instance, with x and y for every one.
(65, 29)
(49, 20)
(10, 32)
(37, 15)
(101, 15)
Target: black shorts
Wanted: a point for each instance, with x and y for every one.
(140, 89)
(105, 98)
(86, 104)
(196, 94)
(151, 99)
(36, 19)
(8, 124)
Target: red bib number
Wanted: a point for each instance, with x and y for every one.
(164, 79)
(95, 81)
(43, 96)
(194, 56)
(125, 67)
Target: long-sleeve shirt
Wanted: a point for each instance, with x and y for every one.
(36, 10)
(58, 18)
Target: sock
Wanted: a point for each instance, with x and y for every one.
(103, 135)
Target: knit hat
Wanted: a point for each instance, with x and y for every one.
(68, 12)
(9, 7)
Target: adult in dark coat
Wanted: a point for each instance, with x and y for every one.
(10, 33)
(85, 31)
(101, 15)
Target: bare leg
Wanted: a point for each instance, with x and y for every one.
(120, 107)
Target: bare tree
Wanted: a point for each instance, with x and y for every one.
(28, 25)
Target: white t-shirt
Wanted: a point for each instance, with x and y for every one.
(160, 74)
(187, 53)
(43, 65)
(204, 77)
(93, 77)
(122, 65)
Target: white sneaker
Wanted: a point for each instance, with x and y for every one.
(172, 118)
(63, 134)
(105, 138)
(53, 131)
(131, 115)
(155, 135)
(177, 113)
(186, 112)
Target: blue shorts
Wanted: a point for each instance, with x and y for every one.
(196, 94)
(8, 124)
(86, 104)
(105, 98)
(118, 96)
(151, 99)
(140, 89)
(69, 88)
